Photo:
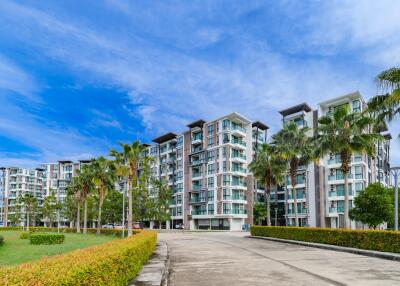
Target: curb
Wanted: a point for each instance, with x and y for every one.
(370, 253)
(155, 271)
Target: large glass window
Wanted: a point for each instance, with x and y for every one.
(210, 209)
(356, 106)
(210, 129)
(210, 182)
(210, 169)
(210, 195)
(358, 172)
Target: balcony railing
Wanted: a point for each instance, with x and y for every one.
(239, 211)
(199, 212)
(197, 174)
(238, 198)
(239, 142)
(238, 128)
(239, 169)
(239, 155)
(339, 177)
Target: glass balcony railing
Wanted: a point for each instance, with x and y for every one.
(238, 184)
(239, 142)
(300, 211)
(197, 187)
(239, 155)
(298, 195)
(339, 177)
(239, 211)
(238, 128)
(239, 197)
(197, 200)
(197, 174)
(339, 193)
(199, 212)
(197, 162)
(239, 169)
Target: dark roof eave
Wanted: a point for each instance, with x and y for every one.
(260, 125)
(197, 123)
(303, 106)
(164, 138)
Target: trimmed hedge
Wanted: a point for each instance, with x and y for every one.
(112, 263)
(387, 241)
(24, 235)
(106, 231)
(46, 238)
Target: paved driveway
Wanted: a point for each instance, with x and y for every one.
(229, 258)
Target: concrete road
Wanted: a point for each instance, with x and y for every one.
(229, 258)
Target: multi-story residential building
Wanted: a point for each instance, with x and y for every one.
(320, 187)
(16, 182)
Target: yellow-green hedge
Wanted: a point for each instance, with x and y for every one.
(111, 263)
(46, 238)
(388, 241)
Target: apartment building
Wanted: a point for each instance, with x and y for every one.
(320, 187)
(16, 182)
(207, 168)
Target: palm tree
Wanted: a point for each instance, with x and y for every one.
(387, 106)
(29, 202)
(103, 179)
(86, 181)
(75, 189)
(294, 147)
(267, 169)
(127, 163)
(346, 133)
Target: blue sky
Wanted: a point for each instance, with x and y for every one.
(76, 77)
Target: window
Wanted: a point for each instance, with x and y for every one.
(210, 169)
(359, 187)
(224, 152)
(227, 194)
(210, 141)
(210, 129)
(226, 124)
(210, 182)
(210, 209)
(227, 208)
(358, 172)
(179, 142)
(225, 138)
(179, 175)
(179, 211)
(226, 180)
(163, 149)
(356, 106)
(178, 199)
(224, 166)
(210, 155)
(210, 195)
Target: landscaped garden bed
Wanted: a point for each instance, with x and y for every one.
(113, 263)
(15, 250)
(387, 241)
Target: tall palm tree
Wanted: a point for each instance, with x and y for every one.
(29, 202)
(294, 147)
(346, 133)
(387, 106)
(268, 169)
(85, 175)
(127, 165)
(75, 189)
(103, 179)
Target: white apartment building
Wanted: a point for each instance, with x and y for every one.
(16, 182)
(320, 187)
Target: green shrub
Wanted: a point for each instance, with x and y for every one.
(113, 263)
(24, 235)
(46, 238)
(388, 241)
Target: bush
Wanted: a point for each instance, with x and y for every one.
(388, 241)
(112, 263)
(46, 238)
(24, 235)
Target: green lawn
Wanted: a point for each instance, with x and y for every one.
(15, 250)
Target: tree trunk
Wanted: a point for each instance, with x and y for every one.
(99, 215)
(78, 219)
(346, 200)
(27, 221)
(267, 201)
(129, 209)
(85, 218)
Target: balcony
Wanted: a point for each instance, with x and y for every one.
(198, 212)
(339, 177)
(336, 210)
(238, 156)
(197, 149)
(197, 174)
(239, 130)
(194, 200)
(239, 170)
(298, 195)
(339, 193)
(239, 211)
(239, 198)
(300, 211)
(197, 187)
(239, 143)
(196, 162)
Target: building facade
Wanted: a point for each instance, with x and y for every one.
(320, 186)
